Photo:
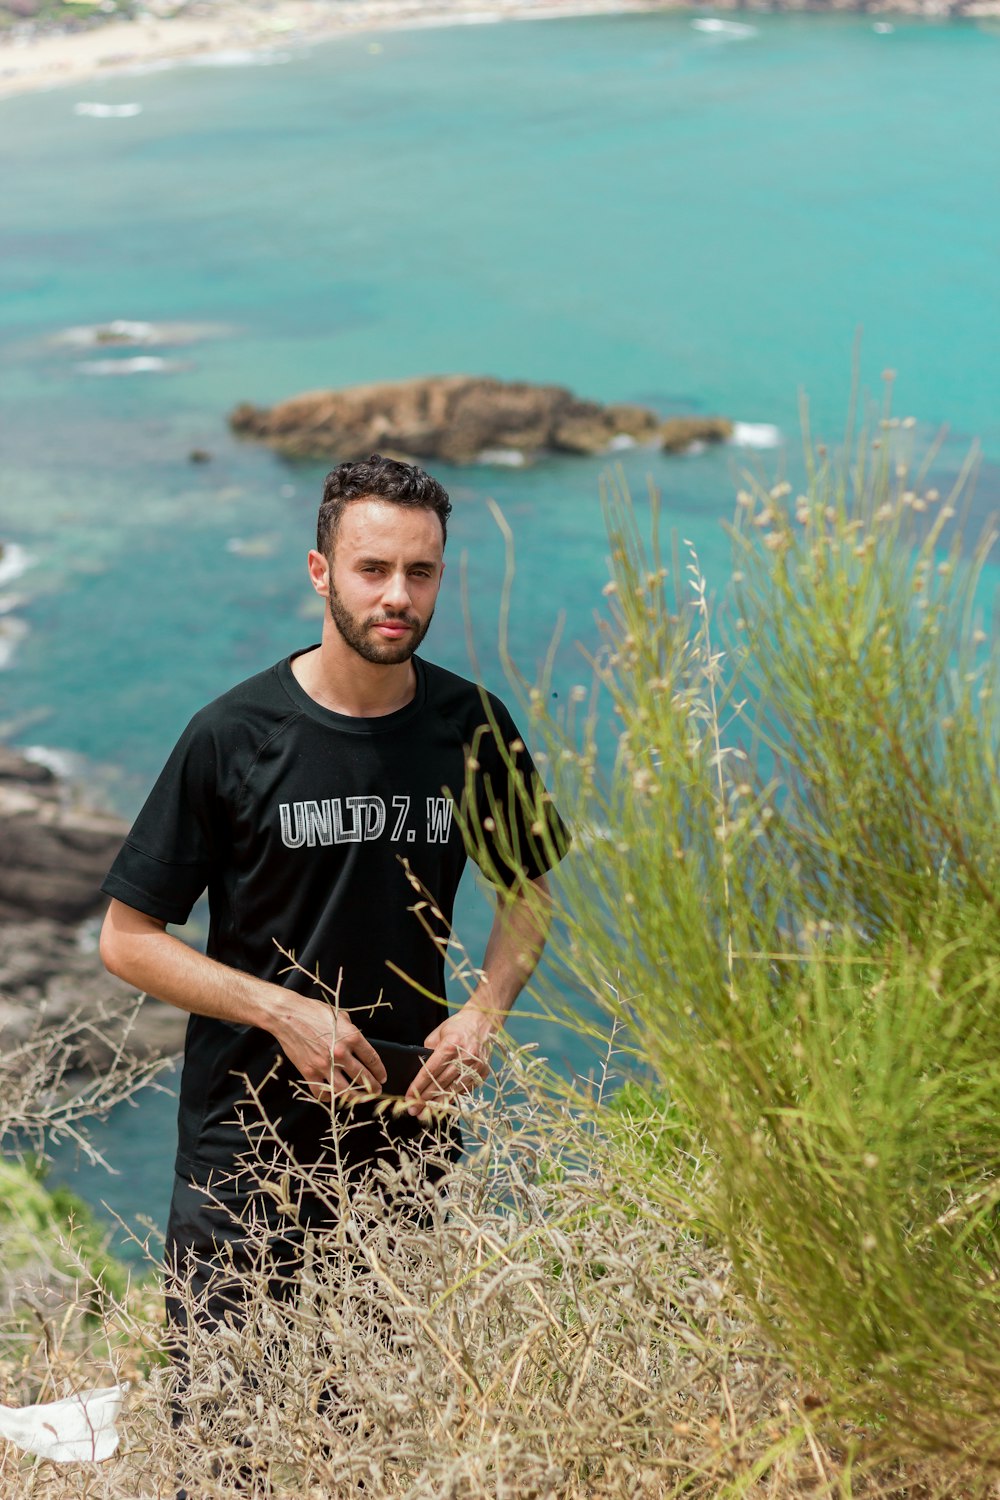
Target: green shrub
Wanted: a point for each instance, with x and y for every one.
(785, 889)
(53, 1231)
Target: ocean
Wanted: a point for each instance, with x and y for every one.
(705, 221)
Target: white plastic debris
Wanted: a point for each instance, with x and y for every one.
(79, 1429)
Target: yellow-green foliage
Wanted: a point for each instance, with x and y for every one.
(785, 888)
(53, 1229)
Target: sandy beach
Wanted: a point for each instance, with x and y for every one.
(39, 59)
(45, 61)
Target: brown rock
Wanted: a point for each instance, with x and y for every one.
(634, 421)
(679, 433)
(55, 854)
(52, 976)
(449, 417)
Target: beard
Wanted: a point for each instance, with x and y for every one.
(357, 632)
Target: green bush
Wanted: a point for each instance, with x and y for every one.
(785, 889)
(53, 1231)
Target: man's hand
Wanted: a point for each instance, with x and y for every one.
(458, 1063)
(324, 1044)
(461, 1044)
(328, 1049)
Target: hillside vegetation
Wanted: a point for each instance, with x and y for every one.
(769, 1263)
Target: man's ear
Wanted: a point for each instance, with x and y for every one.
(319, 573)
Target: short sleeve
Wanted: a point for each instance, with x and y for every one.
(514, 831)
(167, 859)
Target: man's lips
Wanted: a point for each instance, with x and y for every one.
(392, 628)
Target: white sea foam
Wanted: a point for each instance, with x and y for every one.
(118, 331)
(240, 57)
(883, 28)
(140, 364)
(507, 458)
(621, 440)
(12, 633)
(107, 111)
(732, 31)
(479, 18)
(13, 562)
(62, 763)
(756, 435)
(154, 65)
(252, 546)
(133, 332)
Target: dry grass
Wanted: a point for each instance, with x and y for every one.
(548, 1330)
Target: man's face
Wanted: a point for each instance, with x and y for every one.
(383, 579)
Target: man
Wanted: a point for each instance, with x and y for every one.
(309, 801)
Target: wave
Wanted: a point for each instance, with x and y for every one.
(506, 458)
(129, 332)
(478, 18)
(734, 31)
(62, 763)
(620, 441)
(141, 364)
(252, 546)
(12, 633)
(240, 57)
(152, 65)
(118, 331)
(13, 561)
(756, 435)
(108, 111)
(883, 28)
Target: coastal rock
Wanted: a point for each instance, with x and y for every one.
(451, 417)
(51, 975)
(677, 434)
(55, 853)
(633, 421)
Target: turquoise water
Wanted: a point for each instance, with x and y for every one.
(622, 204)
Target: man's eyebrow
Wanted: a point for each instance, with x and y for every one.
(383, 562)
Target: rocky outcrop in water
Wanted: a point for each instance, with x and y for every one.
(678, 434)
(456, 418)
(56, 852)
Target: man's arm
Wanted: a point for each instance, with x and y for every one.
(462, 1042)
(318, 1040)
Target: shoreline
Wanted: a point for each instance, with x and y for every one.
(247, 33)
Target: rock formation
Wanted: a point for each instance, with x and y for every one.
(55, 855)
(451, 417)
(678, 434)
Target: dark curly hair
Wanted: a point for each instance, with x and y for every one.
(377, 478)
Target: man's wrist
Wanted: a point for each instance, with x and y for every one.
(483, 1007)
(276, 1010)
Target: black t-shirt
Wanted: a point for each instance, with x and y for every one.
(309, 828)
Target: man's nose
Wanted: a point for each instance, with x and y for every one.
(396, 594)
